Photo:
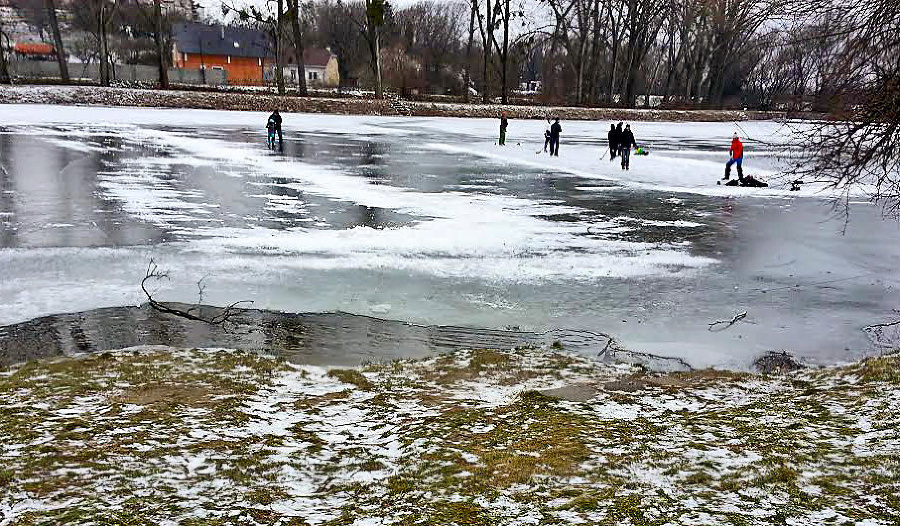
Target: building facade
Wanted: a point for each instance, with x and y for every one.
(243, 54)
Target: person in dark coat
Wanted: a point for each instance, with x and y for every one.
(275, 122)
(547, 136)
(503, 124)
(626, 142)
(613, 137)
(555, 130)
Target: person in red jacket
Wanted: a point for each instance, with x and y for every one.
(737, 157)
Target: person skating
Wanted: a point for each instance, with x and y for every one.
(613, 137)
(503, 124)
(626, 142)
(737, 157)
(274, 123)
(555, 130)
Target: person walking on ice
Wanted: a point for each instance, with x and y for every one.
(555, 130)
(737, 157)
(626, 142)
(503, 124)
(613, 137)
(274, 125)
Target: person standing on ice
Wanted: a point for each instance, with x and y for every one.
(275, 122)
(613, 137)
(503, 124)
(737, 157)
(626, 141)
(547, 136)
(555, 130)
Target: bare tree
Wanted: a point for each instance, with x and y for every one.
(159, 27)
(333, 31)
(860, 146)
(294, 15)
(5, 77)
(50, 6)
(96, 17)
(486, 23)
(467, 79)
(374, 20)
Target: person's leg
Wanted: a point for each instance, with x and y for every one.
(557, 147)
(546, 143)
(728, 169)
(622, 153)
(626, 157)
(502, 137)
(740, 169)
(280, 141)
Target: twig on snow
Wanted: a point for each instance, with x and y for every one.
(737, 317)
(222, 318)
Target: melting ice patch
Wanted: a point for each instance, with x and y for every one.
(458, 234)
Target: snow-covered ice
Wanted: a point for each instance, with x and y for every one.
(427, 220)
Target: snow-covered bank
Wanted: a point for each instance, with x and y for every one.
(228, 100)
(167, 436)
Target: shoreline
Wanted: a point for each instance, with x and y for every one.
(236, 101)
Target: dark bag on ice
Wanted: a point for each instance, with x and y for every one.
(748, 181)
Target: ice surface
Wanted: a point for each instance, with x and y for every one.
(427, 220)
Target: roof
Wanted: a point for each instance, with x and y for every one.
(34, 48)
(316, 57)
(192, 37)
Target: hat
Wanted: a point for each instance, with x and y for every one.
(735, 135)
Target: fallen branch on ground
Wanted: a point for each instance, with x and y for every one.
(222, 318)
(881, 325)
(732, 321)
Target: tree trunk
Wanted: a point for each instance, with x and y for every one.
(487, 36)
(159, 40)
(50, 6)
(5, 77)
(279, 49)
(610, 92)
(467, 79)
(504, 57)
(376, 61)
(104, 44)
(294, 6)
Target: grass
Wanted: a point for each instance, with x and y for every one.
(199, 437)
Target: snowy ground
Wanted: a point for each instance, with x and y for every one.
(165, 436)
(427, 220)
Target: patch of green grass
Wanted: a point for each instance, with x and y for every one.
(353, 377)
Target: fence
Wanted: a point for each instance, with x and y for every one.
(38, 69)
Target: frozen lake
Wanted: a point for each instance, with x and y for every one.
(426, 220)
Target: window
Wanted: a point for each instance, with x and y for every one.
(313, 75)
